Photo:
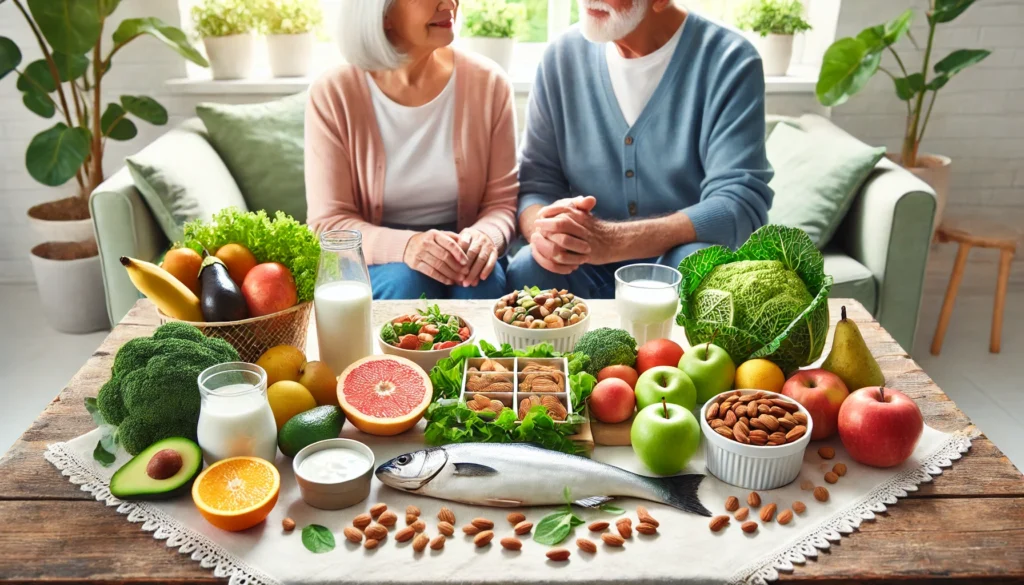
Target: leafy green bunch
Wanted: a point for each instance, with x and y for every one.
(282, 239)
(496, 19)
(773, 17)
(290, 17)
(223, 18)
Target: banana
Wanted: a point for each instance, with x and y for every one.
(168, 293)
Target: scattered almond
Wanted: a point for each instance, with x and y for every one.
(388, 518)
(597, 526)
(418, 526)
(625, 527)
(741, 514)
(437, 543)
(376, 532)
(732, 503)
(470, 530)
(821, 494)
(420, 542)
(754, 500)
(445, 528)
(446, 515)
(410, 509)
(362, 521)
(288, 524)
(768, 512)
(371, 543)
(831, 477)
(586, 545)
(523, 527)
(482, 523)
(749, 527)
(405, 534)
(558, 555)
(377, 510)
(353, 534)
(644, 516)
(484, 538)
(411, 519)
(807, 485)
(826, 452)
(784, 517)
(645, 528)
(511, 543)
(515, 518)
(839, 469)
(612, 539)
(718, 523)
(799, 507)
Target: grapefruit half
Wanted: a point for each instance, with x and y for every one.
(384, 394)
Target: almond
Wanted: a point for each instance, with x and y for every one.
(446, 528)
(353, 534)
(807, 485)
(718, 523)
(405, 534)
(586, 545)
(741, 434)
(645, 528)
(724, 431)
(376, 532)
(470, 530)
(768, 512)
(410, 509)
(411, 519)
(484, 538)
(377, 510)
(800, 418)
(749, 527)
(839, 469)
(558, 555)
(420, 542)
(625, 529)
(795, 433)
(418, 526)
(437, 543)
(785, 517)
(741, 514)
(612, 539)
(288, 524)
(821, 494)
(362, 521)
(732, 503)
(523, 528)
(831, 477)
(754, 500)
(388, 518)
(371, 543)
(644, 516)
(799, 507)
(446, 515)
(730, 418)
(482, 523)
(515, 518)
(511, 543)
(625, 521)
(826, 452)
(712, 412)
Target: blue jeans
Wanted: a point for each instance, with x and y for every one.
(396, 281)
(589, 281)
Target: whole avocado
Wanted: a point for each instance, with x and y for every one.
(220, 298)
(606, 347)
(306, 428)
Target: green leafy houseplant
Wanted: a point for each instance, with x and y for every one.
(773, 17)
(67, 83)
(496, 19)
(851, 62)
(290, 17)
(224, 18)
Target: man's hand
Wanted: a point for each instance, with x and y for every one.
(570, 235)
(482, 255)
(438, 255)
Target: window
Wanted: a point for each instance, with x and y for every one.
(546, 18)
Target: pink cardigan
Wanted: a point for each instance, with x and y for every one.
(345, 159)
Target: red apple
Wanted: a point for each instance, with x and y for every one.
(880, 426)
(658, 352)
(612, 401)
(269, 288)
(624, 373)
(822, 393)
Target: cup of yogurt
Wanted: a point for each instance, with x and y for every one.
(334, 473)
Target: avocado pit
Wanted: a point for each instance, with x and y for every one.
(164, 464)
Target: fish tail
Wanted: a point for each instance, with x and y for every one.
(681, 492)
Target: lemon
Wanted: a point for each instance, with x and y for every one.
(759, 374)
(288, 399)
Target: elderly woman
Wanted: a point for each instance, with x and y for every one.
(413, 144)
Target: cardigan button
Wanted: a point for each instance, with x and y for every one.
(629, 140)
(632, 208)
(629, 174)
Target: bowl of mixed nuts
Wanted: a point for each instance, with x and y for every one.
(755, 439)
(517, 383)
(530, 316)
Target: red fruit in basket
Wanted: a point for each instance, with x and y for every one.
(612, 401)
(384, 394)
(409, 341)
(269, 288)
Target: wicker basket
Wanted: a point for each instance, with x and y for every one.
(252, 337)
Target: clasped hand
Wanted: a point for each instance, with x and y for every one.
(566, 235)
(465, 258)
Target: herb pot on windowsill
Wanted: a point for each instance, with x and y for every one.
(498, 50)
(231, 57)
(776, 52)
(290, 55)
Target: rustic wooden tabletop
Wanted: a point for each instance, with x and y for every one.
(967, 526)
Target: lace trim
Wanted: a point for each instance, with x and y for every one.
(200, 548)
(845, 521)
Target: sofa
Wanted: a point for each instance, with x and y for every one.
(876, 256)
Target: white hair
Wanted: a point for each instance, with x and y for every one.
(361, 36)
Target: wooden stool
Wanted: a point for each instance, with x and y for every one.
(970, 233)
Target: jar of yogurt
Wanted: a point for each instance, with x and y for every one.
(235, 418)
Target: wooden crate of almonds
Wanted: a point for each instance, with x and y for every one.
(521, 384)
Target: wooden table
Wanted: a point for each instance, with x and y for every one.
(966, 527)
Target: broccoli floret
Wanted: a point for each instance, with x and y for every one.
(153, 392)
(607, 347)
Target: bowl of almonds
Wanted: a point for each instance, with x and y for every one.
(754, 439)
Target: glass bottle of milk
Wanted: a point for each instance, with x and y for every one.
(235, 418)
(647, 300)
(342, 300)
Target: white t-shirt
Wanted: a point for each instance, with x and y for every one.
(634, 80)
(421, 187)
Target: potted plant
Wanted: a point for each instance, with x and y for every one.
(227, 27)
(290, 26)
(774, 22)
(489, 28)
(850, 62)
(67, 83)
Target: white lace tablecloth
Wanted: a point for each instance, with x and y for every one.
(684, 551)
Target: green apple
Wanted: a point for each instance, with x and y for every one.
(665, 436)
(710, 368)
(666, 382)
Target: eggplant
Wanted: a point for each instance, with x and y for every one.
(220, 298)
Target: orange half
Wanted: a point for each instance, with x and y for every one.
(237, 493)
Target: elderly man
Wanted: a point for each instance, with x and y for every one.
(644, 143)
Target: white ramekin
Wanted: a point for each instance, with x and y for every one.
(753, 467)
(564, 339)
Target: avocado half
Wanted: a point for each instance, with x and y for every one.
(156, 474)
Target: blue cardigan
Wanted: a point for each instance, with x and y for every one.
(698, 146)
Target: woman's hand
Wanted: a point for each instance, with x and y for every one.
(438, 255)
(482, 255)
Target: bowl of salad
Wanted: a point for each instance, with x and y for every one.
(425, 337)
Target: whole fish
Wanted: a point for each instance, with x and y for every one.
(519, 474)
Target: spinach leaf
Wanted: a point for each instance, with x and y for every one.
(612, 509)
(581, 385)
(102, 455)
(317, 539)
(554, 528)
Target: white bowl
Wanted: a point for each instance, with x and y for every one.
(753, 467)
(428, 358)
(564, 339)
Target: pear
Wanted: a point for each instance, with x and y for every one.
(850, 358)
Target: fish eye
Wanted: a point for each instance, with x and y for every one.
(403, 459)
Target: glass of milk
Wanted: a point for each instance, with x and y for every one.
(647, 299)
(342, 300)
(235, 418)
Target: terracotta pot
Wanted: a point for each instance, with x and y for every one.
(63, 220)
(231, 57)
(497, 50)
(776, 53)
(290, 55)
(933, 169)
(70, 284)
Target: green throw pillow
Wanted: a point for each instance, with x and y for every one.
(181, 178)
(262, 145)
(817, 177)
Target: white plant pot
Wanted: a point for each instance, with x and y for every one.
(497, 50)
(290, 55)
(71, 292)
(231, 57)
(776, 52)
(62, 231)
(935, 170)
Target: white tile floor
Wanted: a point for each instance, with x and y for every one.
(37, 362)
